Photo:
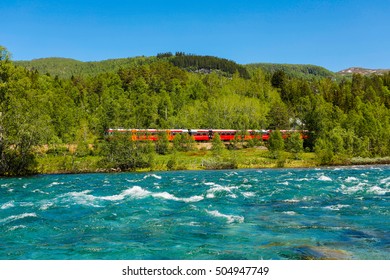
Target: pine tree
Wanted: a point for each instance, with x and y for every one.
(275, 143)
(217, 147)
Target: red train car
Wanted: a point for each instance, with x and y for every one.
(201, 135)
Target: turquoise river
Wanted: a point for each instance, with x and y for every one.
(327, 213)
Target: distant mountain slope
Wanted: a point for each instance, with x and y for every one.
(363, 71)
(66, 67)
(293, 70)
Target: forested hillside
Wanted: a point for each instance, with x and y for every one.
(294, 70)
(66, 68)
(346, 118)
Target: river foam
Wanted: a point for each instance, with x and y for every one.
(230, 218)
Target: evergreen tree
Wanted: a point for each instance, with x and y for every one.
(162, 143)
(275, 143)
(294, 144)
(217, 147)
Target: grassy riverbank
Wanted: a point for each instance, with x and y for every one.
(66, 162)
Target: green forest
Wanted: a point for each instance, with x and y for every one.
(61, 112)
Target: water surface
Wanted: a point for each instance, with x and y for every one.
(336, 213)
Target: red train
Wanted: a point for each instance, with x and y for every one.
(202, 135)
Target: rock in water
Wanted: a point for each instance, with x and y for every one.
(321, 253)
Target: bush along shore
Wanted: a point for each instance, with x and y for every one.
(66, 159)
(123, 154)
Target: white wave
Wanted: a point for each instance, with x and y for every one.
(16, 227)
(352, 189)
(230, 218)
(26, 204)
(212, 184)
(134, 192)
(291, 200)
(46, 205)
(133, 181)
(336, 207)
(377, 190)
(138, 192)
(82, 198)
(168, 196)
(194, 198)
(376, 168)
(231, 174)
(39, 191)
(324, 178)
(153, 175)
(304, 179)
(385, 181)
(351, 179)
(165, 195)
(219, 188)
(17, 217)
(8, 204)
(55, 184)
(285, 183)
(247, 186)
(290, 213)
(248, 194)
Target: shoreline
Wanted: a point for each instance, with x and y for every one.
(199, 160)
(190, 166)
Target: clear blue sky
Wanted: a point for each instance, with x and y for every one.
(335, 34)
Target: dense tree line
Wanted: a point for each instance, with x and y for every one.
(302, 71)
(347, 118)
(198, 62)
(65, 67)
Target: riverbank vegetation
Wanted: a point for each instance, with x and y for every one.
(56, 123)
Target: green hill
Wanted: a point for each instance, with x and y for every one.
(65, 67)
(305, 71)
